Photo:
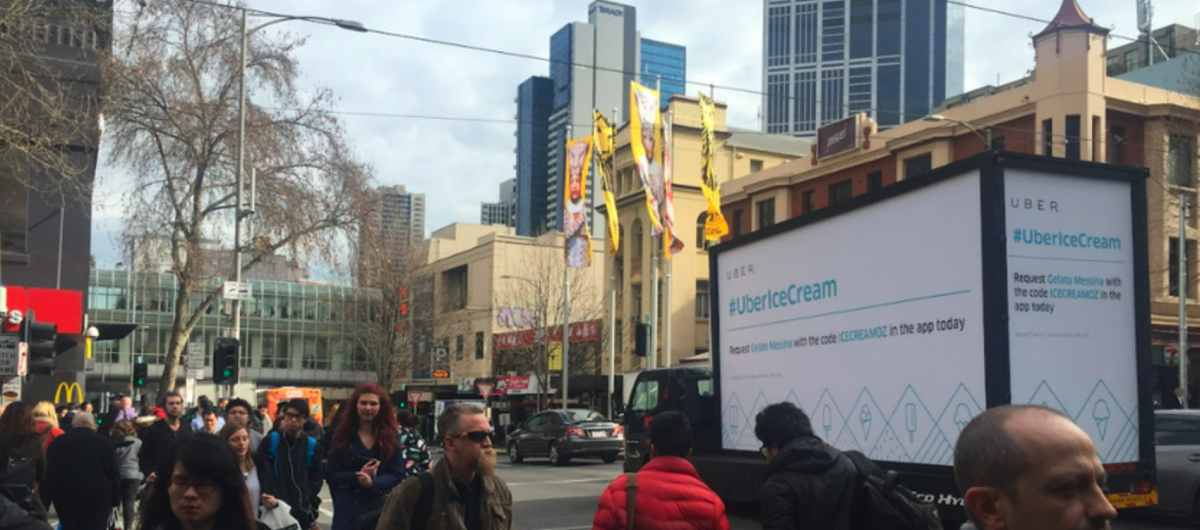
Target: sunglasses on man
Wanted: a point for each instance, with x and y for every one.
(475, 436)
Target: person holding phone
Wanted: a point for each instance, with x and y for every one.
(365, 461)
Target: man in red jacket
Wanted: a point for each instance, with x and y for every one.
(668, 488)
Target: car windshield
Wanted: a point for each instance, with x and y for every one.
(581, 416)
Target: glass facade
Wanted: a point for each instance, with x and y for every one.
(666, 60)
(291, 333)
(894, 59)
(535, 102)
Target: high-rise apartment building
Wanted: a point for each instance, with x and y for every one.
(397, 222)
(823, 61)
(535, 102)
(504, 211)
(592, 65)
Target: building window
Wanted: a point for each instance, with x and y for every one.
(637, 241)
(918, 165)
(874, 180)
(1116, 146)
(1182, 155)
(637, 300)
(1073, 141)
(840, 192)
(807, 203)
(1131, 60)
(1048, 137)
(756, 166)
(766, 213)
(702, 299)
(701, 242)
(458, 348)
(1096, 139)
(455, 285)
(14, 213)
(1173, 268)
(737, 223)
(478, 345)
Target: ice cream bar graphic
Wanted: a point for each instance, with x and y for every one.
(962, 416)
(864, 417)
(826, 420)
(1100, 413)
(910, 420)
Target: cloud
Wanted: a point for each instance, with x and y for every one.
(458, 165)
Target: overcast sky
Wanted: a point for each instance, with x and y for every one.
(458, 165)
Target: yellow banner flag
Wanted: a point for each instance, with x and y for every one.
(602, 141)
(645, 139)
(575, 225)
(715, 226)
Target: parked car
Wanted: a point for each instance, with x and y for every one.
(1177, 452)
(561, 435)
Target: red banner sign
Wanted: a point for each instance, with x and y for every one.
(58, 306)
(580, 332)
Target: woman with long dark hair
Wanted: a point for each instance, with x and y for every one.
(21, 450)
(365, 461)
(200, 486)
(260, 482)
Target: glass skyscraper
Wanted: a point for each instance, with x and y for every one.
(825, 60)
(668, 61)
(535, 102)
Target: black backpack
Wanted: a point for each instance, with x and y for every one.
(883, 504)
(420, 515)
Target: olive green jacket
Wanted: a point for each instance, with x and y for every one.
(447, 513)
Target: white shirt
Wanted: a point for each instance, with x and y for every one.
(254, 488)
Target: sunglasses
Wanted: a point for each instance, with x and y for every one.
(475, 436)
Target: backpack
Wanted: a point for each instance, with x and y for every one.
(420, 516)
(883, 504)
(312, 448)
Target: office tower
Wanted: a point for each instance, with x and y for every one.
(502, 212)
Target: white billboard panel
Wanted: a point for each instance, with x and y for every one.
(1071, 304)
(871, 322)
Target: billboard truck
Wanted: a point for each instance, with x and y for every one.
(895, 318)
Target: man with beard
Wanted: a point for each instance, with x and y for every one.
(1029, 467)
(295, 464)
(466, 493)
(160, 436)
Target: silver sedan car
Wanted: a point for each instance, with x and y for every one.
(1177, 453)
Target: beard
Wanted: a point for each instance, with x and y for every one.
(485, 464)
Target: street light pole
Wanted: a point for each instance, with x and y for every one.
(987, 140)
(241, 165)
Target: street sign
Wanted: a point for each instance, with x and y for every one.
(441, 374)
(238, 291)
(10, 353)
(415, 396)
(485, 389)
(195, 360)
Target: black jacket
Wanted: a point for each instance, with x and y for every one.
(294, 479)
(26, 461)
(81, 479)
(810, 485)
(14, 518)
(157, 439)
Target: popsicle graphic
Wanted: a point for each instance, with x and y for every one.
(962, 416)
(864, 417)
(1100, 413)
(910, 420)
(826, 420)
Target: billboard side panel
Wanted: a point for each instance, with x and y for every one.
(893, 292)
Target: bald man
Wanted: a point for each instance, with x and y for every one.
(1028, 467)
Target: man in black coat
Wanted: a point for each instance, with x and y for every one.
(161, 435)
(810, 484)
(81, 476)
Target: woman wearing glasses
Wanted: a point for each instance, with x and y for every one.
(365, 460)
(205, 491)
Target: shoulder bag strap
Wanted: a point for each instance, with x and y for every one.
(630, 499)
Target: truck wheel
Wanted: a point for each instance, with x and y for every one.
(610, 458)
(513, 455)
(556, 457)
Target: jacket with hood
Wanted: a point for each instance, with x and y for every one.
(670, 495)
(810, 485)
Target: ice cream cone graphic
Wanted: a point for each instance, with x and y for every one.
(962, 416)
(1100, 413)
(864, 417)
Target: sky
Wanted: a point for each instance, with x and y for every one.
(458, 165)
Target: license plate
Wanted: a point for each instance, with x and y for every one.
(599, 434)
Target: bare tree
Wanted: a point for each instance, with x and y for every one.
(539, 289)
(173, 123)
(48, 103)
(385, 336)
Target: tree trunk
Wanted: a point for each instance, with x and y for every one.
(180, 331)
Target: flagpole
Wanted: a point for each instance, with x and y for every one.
(712, 91)
(612, 302)
(566, 325)
(668, 309)
(652, 354)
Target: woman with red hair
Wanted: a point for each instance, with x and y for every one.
(365, 460)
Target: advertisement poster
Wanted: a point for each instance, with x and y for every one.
(1071, 304)
(874, 327)
(579, 241)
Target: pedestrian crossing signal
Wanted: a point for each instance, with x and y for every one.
(141, 372)
(225, 361)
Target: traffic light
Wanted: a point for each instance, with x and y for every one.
(225, 361)
(403, 404)
(40, 338)
(641, 339)
(141, 372)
